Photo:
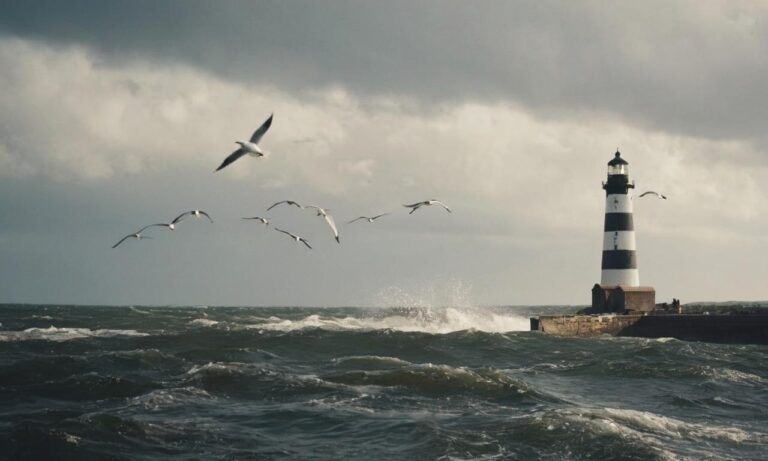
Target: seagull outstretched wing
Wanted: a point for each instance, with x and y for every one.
(151, 225)
(650, 192)
(443, 205)
(288, 202)
(261, 130)
(123, 240)
(231, 158)
(332, 224)
(181, 216)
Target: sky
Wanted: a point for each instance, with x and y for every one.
(113, 115)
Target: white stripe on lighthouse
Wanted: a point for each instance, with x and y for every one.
(618, 203)
(619, 240)
(624, 277)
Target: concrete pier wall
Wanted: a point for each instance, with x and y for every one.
(744, 329)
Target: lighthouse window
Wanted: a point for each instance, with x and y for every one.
(618, 169)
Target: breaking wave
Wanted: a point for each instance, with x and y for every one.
(63, 334)
(412, 319)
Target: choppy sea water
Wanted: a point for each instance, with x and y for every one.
(150, 383)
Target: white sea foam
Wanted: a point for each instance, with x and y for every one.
(204, 322)
(160, 398)
(42, 317)
(731, 375)
(430, 320)
(656, 429)
(63, 334)
(358, 359)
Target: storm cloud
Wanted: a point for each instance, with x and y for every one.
(691, 67)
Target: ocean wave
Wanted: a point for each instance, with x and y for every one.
(248, 379)
(430, 377)
(729, 375)
(91, 386)
(142, 359)
(63, 334)
(426, 320)
(372, 361)
(163, 398)
(654, 428)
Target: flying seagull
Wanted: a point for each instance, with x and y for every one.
(264, 221)
(650, 192)
(287, 202)
(249, 147)
(369, 219)
(195, 213)
(137, 235)
(295, 237)
(328, 219)
(417, 205)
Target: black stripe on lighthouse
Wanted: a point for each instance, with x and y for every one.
(619, 259)
(618, 222)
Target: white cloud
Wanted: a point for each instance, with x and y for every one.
(508, 174)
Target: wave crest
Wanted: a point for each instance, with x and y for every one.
(412, 319)
(63, 334)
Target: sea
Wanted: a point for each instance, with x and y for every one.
(399, 383)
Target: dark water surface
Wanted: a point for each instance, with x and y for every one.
(84, 382)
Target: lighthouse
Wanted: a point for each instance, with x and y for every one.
(619, 265)
(619, 290)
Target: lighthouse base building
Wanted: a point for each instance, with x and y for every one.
(622, 299)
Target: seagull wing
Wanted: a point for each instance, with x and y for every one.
(332, 224)
(276, 204)
(305, 243)
(444, 206)
(357, 219)
(181, 216)
(285, 232)
(151, 225)
(206, 215)
(123, 240)
(262, 129)
(414, 205)
(379, 215)
(651, 192)
(232, 157)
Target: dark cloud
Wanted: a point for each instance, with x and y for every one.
(688, 67)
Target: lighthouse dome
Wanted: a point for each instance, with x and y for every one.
(618, 165)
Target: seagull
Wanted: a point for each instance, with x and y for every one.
(137, 235)
(295, 237)
(264, 221)
(417, 205)
(249, 147)
(328, 218)
(288, 202)
(195, 213)
(369, 219)
(650, 192)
